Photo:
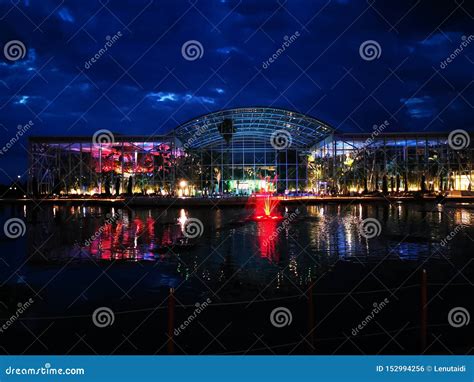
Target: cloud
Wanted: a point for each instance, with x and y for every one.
(168, 97)
(65, 15)
(419, 107)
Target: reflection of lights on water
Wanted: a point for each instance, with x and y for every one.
(293, 266)
(462, 217)
(55, 210)
(321, 211)
(182, 218)
(24, 211)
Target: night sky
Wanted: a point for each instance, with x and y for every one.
(143, 84)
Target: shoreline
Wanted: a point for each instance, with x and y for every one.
(150, 201)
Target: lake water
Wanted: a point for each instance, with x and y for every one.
(75, 259)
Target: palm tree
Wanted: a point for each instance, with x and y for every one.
(227, 130)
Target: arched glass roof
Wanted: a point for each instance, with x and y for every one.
(255, 124)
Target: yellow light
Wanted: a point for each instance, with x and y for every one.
(183, 184)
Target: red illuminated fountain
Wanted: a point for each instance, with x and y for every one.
(265, 208)
(265, 213)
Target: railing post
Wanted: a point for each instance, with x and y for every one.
(423, 310)
(171, 305)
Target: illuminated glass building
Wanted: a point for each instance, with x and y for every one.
(246, 150)
(77, 165)
(397, 162)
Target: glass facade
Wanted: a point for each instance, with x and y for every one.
(238, 152)
(76, 165)
(347, 163)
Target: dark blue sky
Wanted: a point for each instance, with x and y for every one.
(142, 84)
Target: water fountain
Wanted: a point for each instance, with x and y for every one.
(265, 208)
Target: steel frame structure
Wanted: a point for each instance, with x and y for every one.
(198, 158)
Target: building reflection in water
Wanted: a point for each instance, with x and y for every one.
(319, 237)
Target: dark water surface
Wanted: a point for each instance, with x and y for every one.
(316, 264)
